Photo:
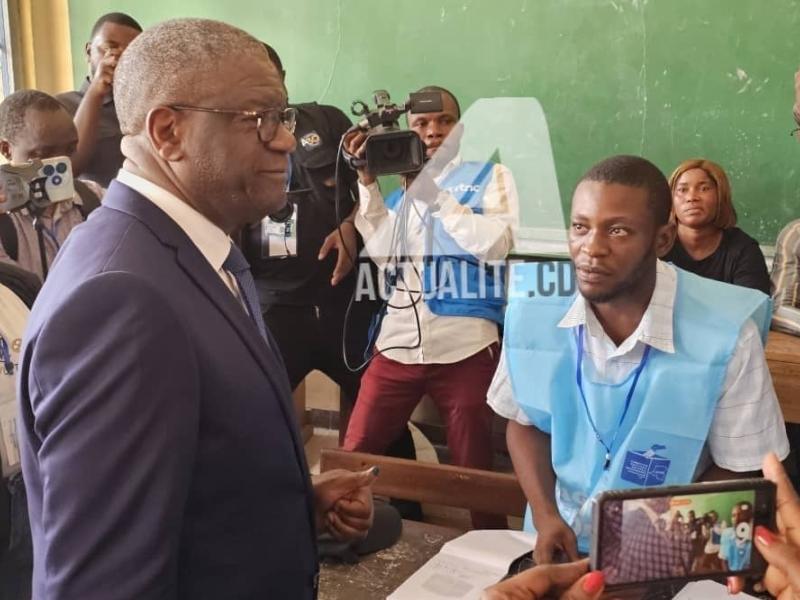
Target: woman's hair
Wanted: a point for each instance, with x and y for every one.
(726, 213)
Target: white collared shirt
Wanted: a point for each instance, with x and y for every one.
(213, 243)
(748, 422)
(488, 236)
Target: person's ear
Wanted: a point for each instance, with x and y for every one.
(166, 130)
(88, 49)
(5, 149)
(665, 238)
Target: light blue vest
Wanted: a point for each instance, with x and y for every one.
(664, 433)
(456, 283)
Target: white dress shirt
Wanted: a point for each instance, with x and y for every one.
(748, 422)
(427, 338)
(213, 243)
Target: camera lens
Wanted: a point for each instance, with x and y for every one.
(393, 150)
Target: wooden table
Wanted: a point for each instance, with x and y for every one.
(783, 358)
(381, 573)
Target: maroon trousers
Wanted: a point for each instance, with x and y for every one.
(390, 391)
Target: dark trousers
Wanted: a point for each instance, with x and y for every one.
(390, 391)
(16, 553)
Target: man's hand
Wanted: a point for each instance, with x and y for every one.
(543, 581)
(554, 534)
(355, 143)
(343, 501)
(103, 77)
(343, 240)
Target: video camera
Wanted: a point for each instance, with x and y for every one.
(35, 185)
(390, 150)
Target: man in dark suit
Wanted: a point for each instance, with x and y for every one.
(157, 433)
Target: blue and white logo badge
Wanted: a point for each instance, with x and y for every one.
(310, 140)
(646, 467)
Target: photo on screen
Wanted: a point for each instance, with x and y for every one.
(647, 539)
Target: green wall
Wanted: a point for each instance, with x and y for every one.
(668, 79)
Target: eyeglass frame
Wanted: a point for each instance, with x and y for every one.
(288, 123)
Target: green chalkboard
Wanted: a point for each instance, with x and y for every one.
(667, 79)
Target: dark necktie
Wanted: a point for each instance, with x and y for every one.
(236, 264)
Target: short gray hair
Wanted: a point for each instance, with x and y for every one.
(177, 61)
(14, 109)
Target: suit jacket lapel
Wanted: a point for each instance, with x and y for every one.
(122, 198)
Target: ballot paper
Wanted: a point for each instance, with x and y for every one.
(708, 590)
(466, 566)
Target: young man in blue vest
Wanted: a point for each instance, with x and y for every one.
(440, 248)
(649, 375)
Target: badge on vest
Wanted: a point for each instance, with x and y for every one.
(646, 467)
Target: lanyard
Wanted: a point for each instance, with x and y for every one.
(579, 379)
(5, 355)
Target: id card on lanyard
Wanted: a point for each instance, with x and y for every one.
(279, 240)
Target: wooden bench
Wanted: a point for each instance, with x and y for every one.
(783, 358)
(429, 483)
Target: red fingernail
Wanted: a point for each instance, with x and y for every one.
(764, 535)
(594, 582)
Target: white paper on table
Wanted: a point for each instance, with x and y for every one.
(465, 566)
(708, 590)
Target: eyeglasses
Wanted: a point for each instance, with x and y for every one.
(267, 121)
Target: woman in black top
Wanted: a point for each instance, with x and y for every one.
(708, 242)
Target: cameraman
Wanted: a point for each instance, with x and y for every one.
(459, 219)
(34, 125)
(306, 280)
